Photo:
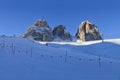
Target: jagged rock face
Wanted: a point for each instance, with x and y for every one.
(41, 23)
(40, 31)
(60, 31)
(88, 32)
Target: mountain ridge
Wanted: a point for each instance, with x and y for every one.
(41, 31)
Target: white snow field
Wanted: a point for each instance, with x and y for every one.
(21, 59)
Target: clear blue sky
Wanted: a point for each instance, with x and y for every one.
(17, 15)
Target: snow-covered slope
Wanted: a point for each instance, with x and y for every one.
(28, 60)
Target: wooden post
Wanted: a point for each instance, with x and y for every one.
(99, 59)
(31, 52)
(66, 56)
(102, 38)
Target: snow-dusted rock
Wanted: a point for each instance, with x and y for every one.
(39, 31)
(41, 23)
(60, 32)
(88, 31)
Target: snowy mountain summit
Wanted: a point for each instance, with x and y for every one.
(39, 31)
(61, 32)
(88, 31)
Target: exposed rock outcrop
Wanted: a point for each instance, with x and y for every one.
(88, 32)
(41, 23)
(60, 31)
(39, 31)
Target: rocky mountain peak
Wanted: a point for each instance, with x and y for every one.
(61, 32)
(39, 31)
(41, 23)
(88, 31)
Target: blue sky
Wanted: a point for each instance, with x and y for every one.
(17, 15)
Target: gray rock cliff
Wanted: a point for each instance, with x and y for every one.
(87, 31)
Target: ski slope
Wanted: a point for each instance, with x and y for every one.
(23, 59)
